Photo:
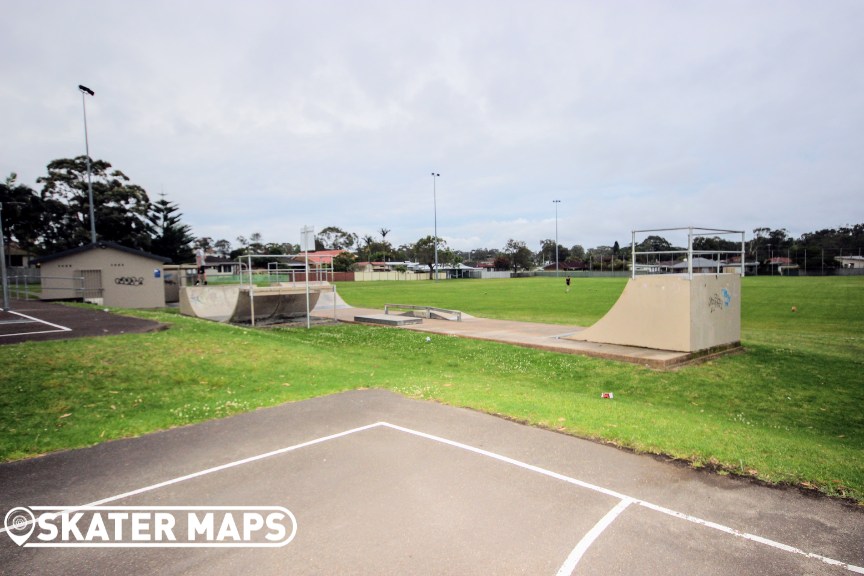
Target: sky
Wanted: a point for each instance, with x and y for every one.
(268, 116)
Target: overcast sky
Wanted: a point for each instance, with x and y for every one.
(265, 116)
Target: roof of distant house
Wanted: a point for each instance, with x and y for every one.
(323, 256)
(698, 262)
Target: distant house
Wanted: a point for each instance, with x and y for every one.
(372, 266)
(104, 273)
(851, 261)
(215, 265)
(733, 265)
(17, 257)
(700, 266)
(319, 258)
(782, 266)
(568, 265)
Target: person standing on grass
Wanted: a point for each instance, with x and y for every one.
(567, 281)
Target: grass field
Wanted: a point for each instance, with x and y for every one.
(786, 411)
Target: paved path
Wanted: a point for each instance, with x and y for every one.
(380, 484)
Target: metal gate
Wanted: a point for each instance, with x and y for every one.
(91, 284)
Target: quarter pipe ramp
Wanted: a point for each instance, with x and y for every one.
(672, 312)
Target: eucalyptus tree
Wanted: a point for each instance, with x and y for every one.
(122, 209)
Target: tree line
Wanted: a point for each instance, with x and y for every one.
(56, 218)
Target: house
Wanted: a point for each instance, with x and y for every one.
(319, 258)
(700, 266)
(16, 257)
(782, 266)
(568, 265)
(372, 266)
(104, 273)
(215, 265)
(850, 261)
(733, 266)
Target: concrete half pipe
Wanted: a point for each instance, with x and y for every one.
(235, 303)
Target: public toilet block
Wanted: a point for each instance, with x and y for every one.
(104, 273)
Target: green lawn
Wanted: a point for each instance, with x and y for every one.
(787, 411)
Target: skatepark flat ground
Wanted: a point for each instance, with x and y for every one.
(381, 484)
(530, 334)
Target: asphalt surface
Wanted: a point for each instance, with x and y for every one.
(380, 484)
(33, 320)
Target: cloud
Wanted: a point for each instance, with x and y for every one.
(267, 116)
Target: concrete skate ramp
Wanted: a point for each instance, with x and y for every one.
(672, 312)
(233, 303)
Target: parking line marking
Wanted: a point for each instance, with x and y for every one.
(649, 505)
(58, 327)
(573, 558)
(206, 471)
(506, 459)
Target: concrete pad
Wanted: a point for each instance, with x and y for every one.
(387, 319)
(550, 337)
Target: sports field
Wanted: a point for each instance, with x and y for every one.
(787, 411)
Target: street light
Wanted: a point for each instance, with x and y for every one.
(556, 202)
(84, 91)
(3, 264)
(435, 176)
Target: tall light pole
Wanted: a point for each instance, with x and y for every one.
(3, 263)
(556, 202)
(435, 176)
(84, 91)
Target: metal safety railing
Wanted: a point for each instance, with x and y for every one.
(715, 263)
(25, 287)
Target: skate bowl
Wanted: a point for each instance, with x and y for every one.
(673, 312)
(238, 304)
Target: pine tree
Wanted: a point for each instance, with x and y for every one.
(172, 239)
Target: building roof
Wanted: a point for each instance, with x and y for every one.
(698, 262)
(101, 245)
(13, 249)
(320, 256)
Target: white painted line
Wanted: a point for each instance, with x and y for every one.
(58, 327)
(649, 505)
(573, 558)
(210, 471)
(593, 487)
(512, 461)
(752, 537)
